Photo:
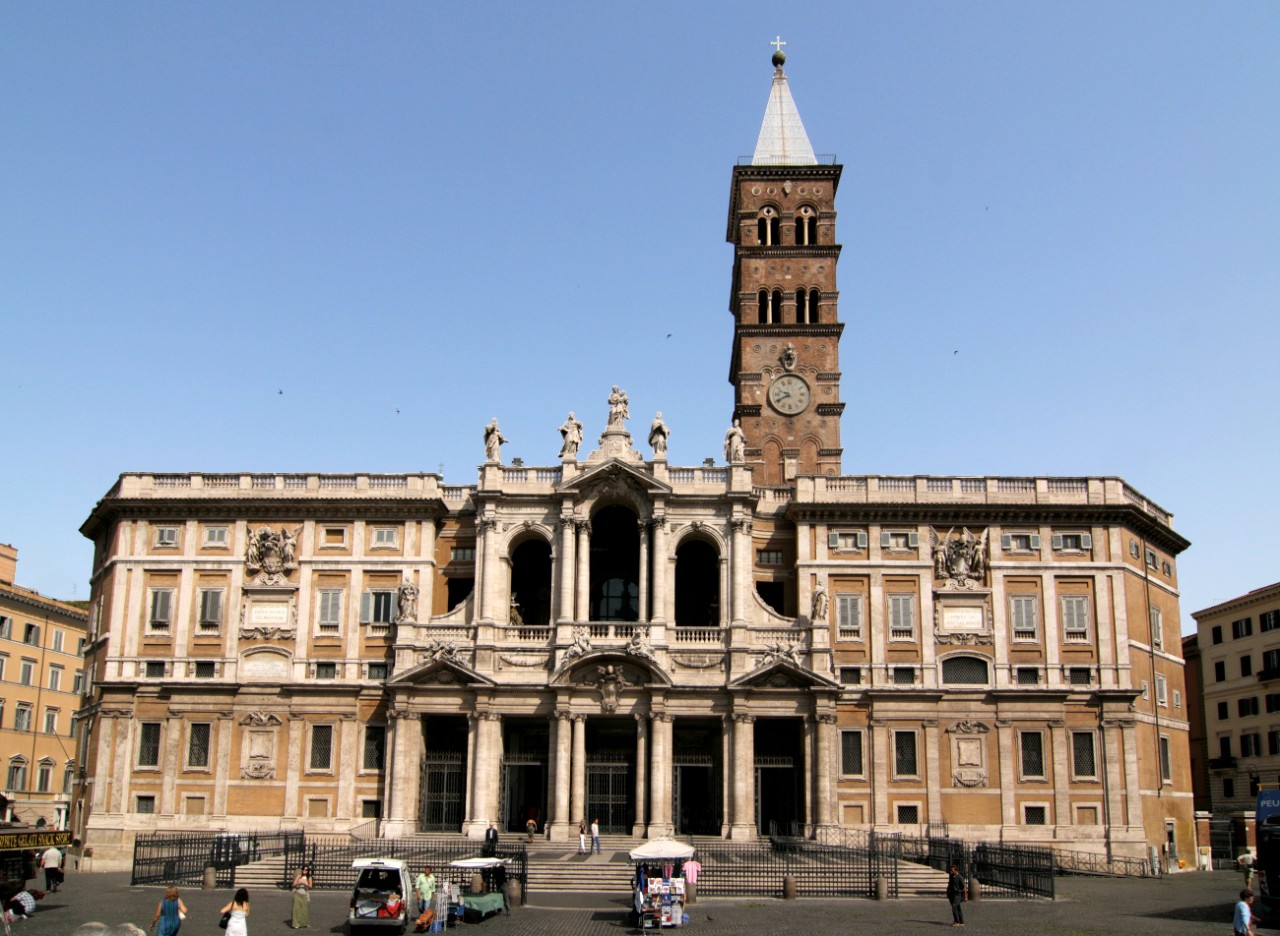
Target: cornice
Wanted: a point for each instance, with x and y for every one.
(44, 605)
(744, 330)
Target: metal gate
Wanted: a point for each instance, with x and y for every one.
(691, 815)
(766, 825)
(508, 787)
(609, 795)
(441, 793)
(1222, 844)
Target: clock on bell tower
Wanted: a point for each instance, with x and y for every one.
(785, 368)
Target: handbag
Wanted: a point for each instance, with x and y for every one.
(226, 918)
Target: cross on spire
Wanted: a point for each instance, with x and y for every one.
(777, 44)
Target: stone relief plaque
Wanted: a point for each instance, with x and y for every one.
(264, 666)
(269, 612)
(962, 619)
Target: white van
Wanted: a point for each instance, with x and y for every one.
(380, 901)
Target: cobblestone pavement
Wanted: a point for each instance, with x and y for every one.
(1188, 903)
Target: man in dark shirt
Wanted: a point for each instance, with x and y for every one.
(957, 894)
(490, 841)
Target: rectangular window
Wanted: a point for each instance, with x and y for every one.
(899, 540)
(1268, 620)
(849, 616)
(1246, 665)
(462, 554)
(1247, 706)
(149, 744)
(1080, 676)
(321, 747)
(1162, 691)
(1273, 704)
(1249, 746)
(851, 675)
(198, 745)
(1023, 610)
(50, 721)
(1273, 743)
(17, 779)
(1224, 713)
(333, 536)
(1072, 542)
(1271, 661)
(847, 540)
(326, 670)
(215, 536)
(1020, 542)
(31, 635)
(155, 669)
(1224, 747)
(1242, 628)
(206, 669)
(68, 779)
(904, 754)
(22, 718)
(1082, 754)
(161, 609)
(384, 537)
(1153, 561)
(329, 613)
(1157, 629)
(211, 601)
(1032, 744)
(1034, 815)
(1075, 618)
(6, 626)
(1217, 633)
(1220, 671)
(851, 753)
(769, 557)
(904, 676)
(378, 606)
(57, 641)
(1228, 788)
(144, 804)
(1028, 676)
(908, 814)
(902, 617)
(77, 682)
(1166, 762)
(4, 660)
(375, 744)
(166, 537)
(26, 674)
(377, 670)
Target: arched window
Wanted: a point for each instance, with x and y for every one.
(697, 585)
(763, 315)
(531, 583)
(964, 671)
(769, 227)
(814, 295)
(806, 226)
(775, 308)
(802, 306)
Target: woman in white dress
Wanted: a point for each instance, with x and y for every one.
(238, 925)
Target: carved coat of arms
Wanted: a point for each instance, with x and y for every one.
(271, 555)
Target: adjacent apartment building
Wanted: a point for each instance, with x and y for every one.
(764, 645)
(41, 679)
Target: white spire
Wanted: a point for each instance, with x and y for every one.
(782, 140)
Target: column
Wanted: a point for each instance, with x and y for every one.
(566, 559)
(584, 571)
(1007, 749)
(660, 777)
(474, 825)
(744, 777)
(933, 769)
(660, 566)
(643, 529)
(578, 791)
(563, 822)
(727, 774)
(488, 579)
(879, 752)
(1061, 774)
(741, 569)
(809, 736)
(642, 738)
(825, 794)
(404, 770)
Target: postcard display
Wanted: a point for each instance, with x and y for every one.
(664, 902)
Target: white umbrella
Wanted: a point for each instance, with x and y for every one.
(662, 850)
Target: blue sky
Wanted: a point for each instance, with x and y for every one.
(412, 217)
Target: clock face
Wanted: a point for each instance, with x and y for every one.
(789, 394)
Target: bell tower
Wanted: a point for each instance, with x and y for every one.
(785, 368)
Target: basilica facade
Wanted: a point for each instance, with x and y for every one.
(761, 646)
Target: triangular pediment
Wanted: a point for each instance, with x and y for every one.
(782, 674)
(614, 472)
(440, 671)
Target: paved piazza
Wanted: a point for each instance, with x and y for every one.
(1187, 903)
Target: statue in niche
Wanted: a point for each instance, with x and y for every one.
(516, 619)
(571, 432)
(619, 408)
(408, 602)
(639, 646)
(271, 555)
(819, 603)
(493, 441)
(735, 444)
(658, 434)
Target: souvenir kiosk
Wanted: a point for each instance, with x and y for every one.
(486, 900)
(659, 885)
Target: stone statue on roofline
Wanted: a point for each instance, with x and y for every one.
(493, 441)
(658, 434)
(571, 432)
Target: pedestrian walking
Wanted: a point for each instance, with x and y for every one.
(957, 894)
(1245, 861)
(490, 842)
(170, 912)
(425, 885)
(582, 836)
(595, 836)
(531, 828)
(302, 884)
(51, 861)
(1242, 922)
(237, 914)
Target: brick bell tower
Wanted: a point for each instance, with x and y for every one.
(785, 368)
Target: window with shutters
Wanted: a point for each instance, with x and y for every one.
(198, 746)
(462, 554)
(44, 776)
(385, 538)
(1072, 542)
(375, 745)
(848, 616)
(1025, 614)
(329, 611)
(1075, 618)
(166, 537)
(1272, 703)
(1083, 762)
(851, 753)
(1166, 761)
(378, 606)
(55, 678)
(149, 744)
(1250, 744)
(1242, 628)
(1246, 665)
(965, 671)
(216, 537)
(27, 672)
(161, 610)
(51, 721)
(17, 779)
(1162, 691)
(211, 602)
(57, 641)
(31, 635)
(1020, 542)
(1267, 620)
(1032, 748)
(899, 540)
(1157, 628)
(902, 617)
(1245, 707)
(6, 627)
(1224, 711)
(321, 757)
(847, 540)
(904, 754)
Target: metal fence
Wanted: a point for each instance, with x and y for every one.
(180, 858)
(1079, 862)
(757, 869)
(330, 862)
(1020, 871)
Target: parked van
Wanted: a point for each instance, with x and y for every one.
(380, 901)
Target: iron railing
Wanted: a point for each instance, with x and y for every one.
(1018, 871)
(331, 863)
(181, 858)
(1078, 862)
(757, 869)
